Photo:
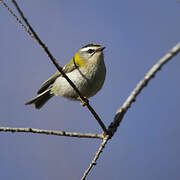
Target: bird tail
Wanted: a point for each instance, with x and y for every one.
(41, 99)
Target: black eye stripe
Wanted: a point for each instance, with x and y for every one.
(90, 51)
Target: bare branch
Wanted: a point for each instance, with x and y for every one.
(17, 19)
(51, 132)
(54, 61)
(94, 161)
(122, 110)
(142, 83)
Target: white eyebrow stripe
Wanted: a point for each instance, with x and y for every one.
(87, 48)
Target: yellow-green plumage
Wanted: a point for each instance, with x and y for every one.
(86, 70)
(77, 60)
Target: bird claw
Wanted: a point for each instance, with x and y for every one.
(84, 101)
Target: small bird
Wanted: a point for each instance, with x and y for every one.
(86, 70)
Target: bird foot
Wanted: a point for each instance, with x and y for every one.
(84, 101)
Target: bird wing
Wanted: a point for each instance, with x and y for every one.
(48, 82)
(67, 69)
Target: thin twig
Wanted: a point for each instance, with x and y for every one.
(17, 19)
(51, 132)
(122, 110)
(142, 83)
(94, 161)
(132, 97)
(54, 61)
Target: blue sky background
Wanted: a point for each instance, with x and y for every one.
(136, 33)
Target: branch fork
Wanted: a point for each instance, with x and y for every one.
(107, 133)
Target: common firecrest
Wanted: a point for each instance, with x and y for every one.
(86, 70)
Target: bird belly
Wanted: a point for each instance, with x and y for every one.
(87, 82)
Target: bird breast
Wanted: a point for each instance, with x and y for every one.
(89, 79)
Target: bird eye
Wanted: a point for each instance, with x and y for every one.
(90, 51)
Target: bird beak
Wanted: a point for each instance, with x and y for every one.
(103, 48)
(100, 49)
